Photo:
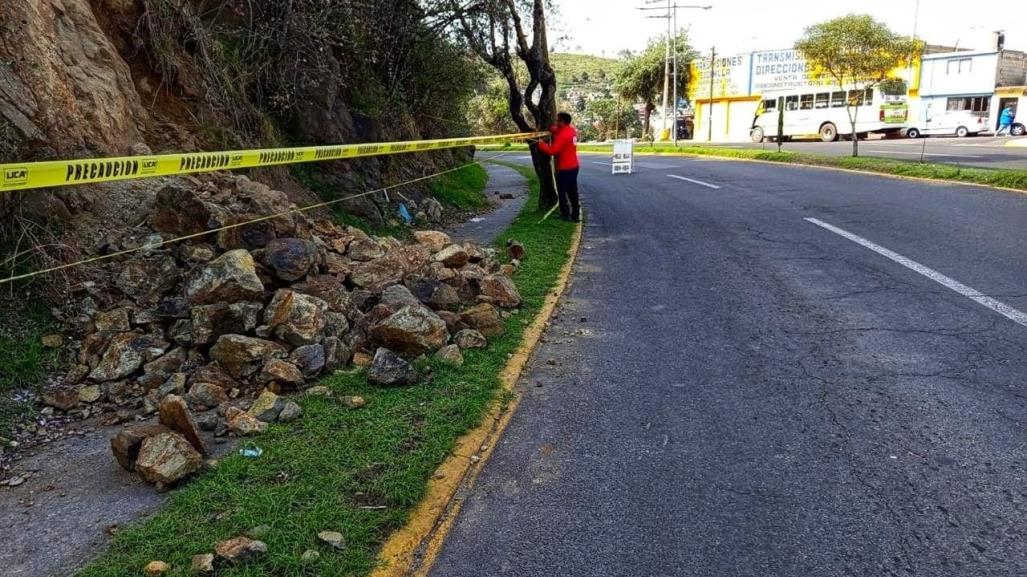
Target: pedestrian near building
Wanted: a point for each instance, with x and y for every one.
(564, 148)
(1005, 122)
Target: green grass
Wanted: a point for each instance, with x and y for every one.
(318, 472)
(1005, 178)
(24, 361)
(464, 189)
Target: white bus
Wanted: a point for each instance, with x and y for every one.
(822, 113)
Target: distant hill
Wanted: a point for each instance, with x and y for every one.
(583, 68)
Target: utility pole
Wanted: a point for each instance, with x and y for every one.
(674, 49)
(713, 74)
(671, 58)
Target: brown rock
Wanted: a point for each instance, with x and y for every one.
(433, 239)
(212, 321)
(116, 320)
(501, 290)
(120, 360)
(167, 458)
(125, 445)
(282, 372)
(207, 394)
(365, 249)
(231, 277)
(290, 258)
(174, 414)
(244, 424)
(267, 407)
(470, 339)
(155, 568)
(485, 319)
(453, 256)
(240, 549)
(242, 356)
(360, 359)
(296, 318)
(515, 249)
(52, 341)
(63, 399)
(202, 563)
(411, 330)
(450, 354)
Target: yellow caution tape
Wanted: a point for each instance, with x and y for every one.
(23, 176)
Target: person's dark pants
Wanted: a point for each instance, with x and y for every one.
(567, 191)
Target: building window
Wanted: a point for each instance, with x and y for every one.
(960, 66)
(976, 104)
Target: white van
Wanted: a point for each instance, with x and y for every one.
(948, 123)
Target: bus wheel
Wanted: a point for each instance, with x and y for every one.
(913, 133)
(962, 132)
(1018, 130)
(828, 132)
(757, 134)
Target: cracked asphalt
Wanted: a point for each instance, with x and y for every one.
(730, 390)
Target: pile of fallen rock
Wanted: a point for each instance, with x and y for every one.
(193, 330)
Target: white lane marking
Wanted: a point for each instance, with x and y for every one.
(1000, 307)
(893, 151)
(694, 181)
(603, 163)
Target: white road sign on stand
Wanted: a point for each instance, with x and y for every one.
(623, 157)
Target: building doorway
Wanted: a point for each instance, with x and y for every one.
(1002, 103)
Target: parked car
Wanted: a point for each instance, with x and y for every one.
(947, 123)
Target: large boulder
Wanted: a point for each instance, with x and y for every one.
(212, 321)
(390, 269)
(231, 277)
(484, 318)
(167, 458)
(436, 294)
(126, 444)
(125, 354)
(501, 290)
(296, 318)
(364, 249)
(282, 372)
(290, 258)
(412, 330)
(242, 356)
(389, 369)
(433, 239)
(146, 280)
(174, 414)
(398, 296)
(453, 256)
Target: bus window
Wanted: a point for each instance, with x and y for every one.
(856, 97)
(868, 97)
(823, 100)
(838, 100)
(770, 105)
(806, 102)
(791, 102)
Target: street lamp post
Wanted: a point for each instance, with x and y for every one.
(671, 57)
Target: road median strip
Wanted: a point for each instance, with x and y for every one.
(1003, 179)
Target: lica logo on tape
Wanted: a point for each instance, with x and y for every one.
(148, 166)
(16, 175)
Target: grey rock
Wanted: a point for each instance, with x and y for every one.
(389, 369)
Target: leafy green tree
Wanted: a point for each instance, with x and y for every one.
(640, 78)
(857, 53)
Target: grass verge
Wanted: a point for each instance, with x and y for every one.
(359, 471)
(998, 177)
(463, 189)
(24, 361)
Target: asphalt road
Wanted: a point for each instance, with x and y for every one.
(982, 151)
(733, 390)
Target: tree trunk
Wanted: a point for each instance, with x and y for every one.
(855, 135)
(546, 178)
(648, 118)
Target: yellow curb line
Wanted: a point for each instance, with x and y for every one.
(412, 550)
(1018, 143)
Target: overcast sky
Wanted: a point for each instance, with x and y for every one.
(605, 27)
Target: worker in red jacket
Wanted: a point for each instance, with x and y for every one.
(564, 147)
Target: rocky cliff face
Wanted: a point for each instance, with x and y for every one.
(64, 88)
